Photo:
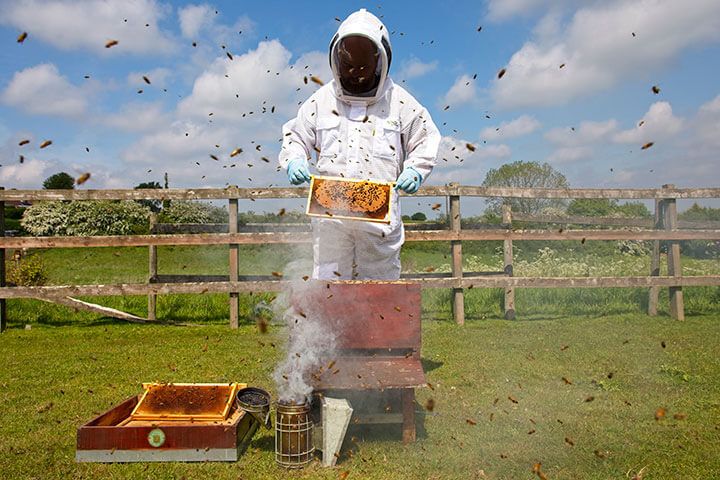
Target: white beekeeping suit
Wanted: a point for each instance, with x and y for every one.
(375, 135)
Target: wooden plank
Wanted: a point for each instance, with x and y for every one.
(677, 304)
(281, 285)
(408, 410)
(152, 271)
(77, 304)
(305, 237)
(301, 192)
(617, 193)
(389, 317)
(3, 273)
(376, 418)
(509, 293)
(180, 278)
(233, 260)
(456, 252)
(654, 292)
(371, 373)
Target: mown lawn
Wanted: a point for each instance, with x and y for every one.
(501, 404)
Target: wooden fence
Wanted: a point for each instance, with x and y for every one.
(664, 227)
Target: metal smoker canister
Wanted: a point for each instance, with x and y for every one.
(293, 434)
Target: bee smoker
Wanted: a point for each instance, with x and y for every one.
(294, 446)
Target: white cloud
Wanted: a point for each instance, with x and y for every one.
(29, 174)
(499, 10)
(193, 18)
(587, 133)
(230, 89)
(569, 154)
(138, 117)
(256, 81)
(518, 127)
(462, 91)
(42, 90)
(658, 123)
(706, 125)
(89, 24)
(598, 49)
(414, 68)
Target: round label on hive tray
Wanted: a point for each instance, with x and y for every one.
(156, 438)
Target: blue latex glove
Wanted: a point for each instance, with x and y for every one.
(298, 171)
(409, 180)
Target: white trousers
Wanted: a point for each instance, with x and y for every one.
(352, 250)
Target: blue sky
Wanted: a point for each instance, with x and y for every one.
(582, 118)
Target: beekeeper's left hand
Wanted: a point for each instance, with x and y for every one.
(409, 180)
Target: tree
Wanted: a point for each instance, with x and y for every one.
(418, 217)
(605, 207)
(59, 181)
(525, 175)
(154, 205)
(592, 207)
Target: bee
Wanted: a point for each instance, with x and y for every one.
(277, 274)
(229, 55)
(23, 142)
(567, 381)
(21, 38)
(660, 413)
(589, 399)
(46, 143)
(436, 206)
(501, 73)
(213, 157)
(111, 43)
(429, 404)
(562, 65)
(365, 119)
(334, 112)
(265, 159)
(512, 399)
(569, 441)
(147, 80)
(647, 145)
(446, 107)
(655, 89)
(316, 80)
(83, 178)
(470, 147)
(235, 152)
(530, 432)
(470, 421)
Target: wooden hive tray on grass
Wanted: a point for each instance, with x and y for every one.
(350, 199)
(114, 436)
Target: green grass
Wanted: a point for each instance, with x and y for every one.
(71, 366)
(56, 378)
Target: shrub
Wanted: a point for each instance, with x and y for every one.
(188, 211)
(86, 218)
(26, 271)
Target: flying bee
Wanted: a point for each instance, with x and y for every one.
(83, 178)
(111, 43)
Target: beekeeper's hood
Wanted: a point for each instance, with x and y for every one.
(365, 24)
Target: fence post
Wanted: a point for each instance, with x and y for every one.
(233, 259)
(508, 262)
(152, 271)
(677, 305)
(457, 269)
(3, 302)
(655, 259)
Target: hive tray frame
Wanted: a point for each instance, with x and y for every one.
(137, 413)
(313, 206)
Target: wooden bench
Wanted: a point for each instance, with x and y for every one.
(378, 338)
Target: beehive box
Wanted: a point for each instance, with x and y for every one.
(350, 199)
(115, 436)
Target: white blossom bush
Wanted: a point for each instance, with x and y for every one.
(187, 211)
(86, 218)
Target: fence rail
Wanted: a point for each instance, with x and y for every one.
(663, 227)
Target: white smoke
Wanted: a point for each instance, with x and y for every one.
(310, 344)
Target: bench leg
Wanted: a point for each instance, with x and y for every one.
(408, 411)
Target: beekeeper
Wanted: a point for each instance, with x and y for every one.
(363, 126)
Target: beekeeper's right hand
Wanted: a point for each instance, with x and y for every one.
(298, 171)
